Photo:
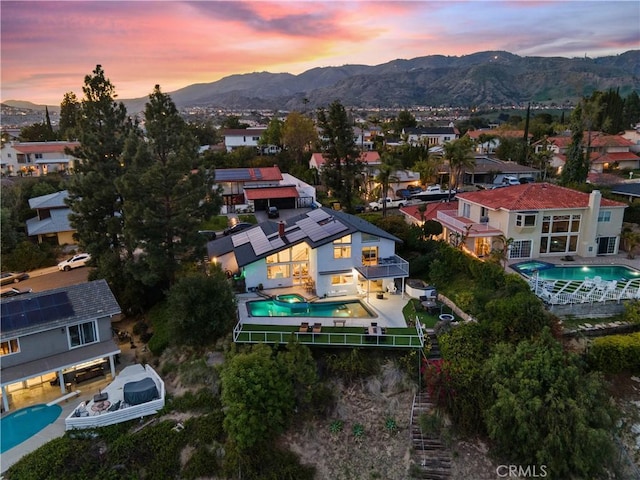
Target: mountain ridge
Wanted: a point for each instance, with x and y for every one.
(487, 78)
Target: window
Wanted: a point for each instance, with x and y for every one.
(38, 156)
(526, 220)
(559, 234)
(369, 255)
(367, 238)
(466, 210)
(604, 216)
(341, 279)
(82, 334)
(345, 239)
(341, 252)
(280, 257)
(606, 245)
(520, 249)
(278, 271)
(9, 347)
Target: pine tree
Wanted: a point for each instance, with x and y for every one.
(576, 167)
(166, 195)
(342, 170)
(95, 202)
(69, 109)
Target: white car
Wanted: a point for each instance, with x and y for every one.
(79, 260)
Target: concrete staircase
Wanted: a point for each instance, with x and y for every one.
(431, 458)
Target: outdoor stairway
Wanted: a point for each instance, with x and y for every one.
(434, 352)
(431, 458)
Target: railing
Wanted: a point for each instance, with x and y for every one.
(393, 266)
(448, 217)
(563, 292)
(328, 338)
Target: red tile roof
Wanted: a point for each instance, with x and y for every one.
(598, 139)
(475, 134)
(617, 157)
(432, 209)
(533, 196)
(44, 147)
(265, 193)
(370, 158)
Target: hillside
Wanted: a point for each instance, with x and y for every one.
(490, 78)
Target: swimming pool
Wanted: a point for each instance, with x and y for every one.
(548, 271)
(25, 423)
(294, 307)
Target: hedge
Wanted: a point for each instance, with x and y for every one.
(616, 353)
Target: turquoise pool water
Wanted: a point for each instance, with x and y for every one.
(25, 423)
(296, 308)
(547, 271)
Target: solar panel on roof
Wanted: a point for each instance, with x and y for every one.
(295, 235)
(314, 231)
(233, 174)
(28, 312)
(277, 243)
(334, 227)
(258, 173)
(240, 239)
(318, 215)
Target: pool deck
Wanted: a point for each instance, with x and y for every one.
(388, 310)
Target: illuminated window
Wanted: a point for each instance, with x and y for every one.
(343, 240)
(10, 346)
(280, 257)
(342, 280)
(82, 334)
(278, 271)
(341, 252)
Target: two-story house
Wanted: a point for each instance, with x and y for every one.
(51, 223)
(58, 336)
(430, 136)
(605, 151)
(242, 137)
(542, 220)
(37, 158)
(330, 252)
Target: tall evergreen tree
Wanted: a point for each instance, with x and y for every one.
(69, 109)
(95, 202)
(166, 195)
(299, 135)
(576, 167)
(341, 173)
(631, 110)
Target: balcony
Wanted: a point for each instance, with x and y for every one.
(390, 267)
(451, 220)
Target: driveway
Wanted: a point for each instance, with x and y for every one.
(261, 216)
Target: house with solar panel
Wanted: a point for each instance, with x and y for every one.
(51, 223)
(327, 252)
(57, 338)
(259, 188)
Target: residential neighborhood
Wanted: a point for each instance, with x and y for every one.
(379, 285)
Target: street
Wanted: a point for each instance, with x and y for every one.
(49, 278)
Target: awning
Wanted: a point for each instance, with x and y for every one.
(265, 193)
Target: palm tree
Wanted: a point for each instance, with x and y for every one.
(387, 174)
(428, 167)
(459, 154)
(500, 251)
(630, 239)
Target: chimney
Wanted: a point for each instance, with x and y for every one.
(281, 228)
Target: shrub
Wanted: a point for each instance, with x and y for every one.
(336, 426)
(616, 353)
(632, 312)
(159, 317)
(358, 431)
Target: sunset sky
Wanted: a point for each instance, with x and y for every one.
(48, 47)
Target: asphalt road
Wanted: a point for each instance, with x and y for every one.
(49, 278)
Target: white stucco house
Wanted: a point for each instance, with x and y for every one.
(36, 158)
(327, 252)
(544, 220)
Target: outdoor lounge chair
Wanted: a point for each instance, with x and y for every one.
(304, 327)
(317, 327)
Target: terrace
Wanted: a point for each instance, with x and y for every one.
(385, 313)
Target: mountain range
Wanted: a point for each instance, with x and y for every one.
(492, 78)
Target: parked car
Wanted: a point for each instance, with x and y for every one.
(12, 277)
(12, 292)
(79, 260)
(272, 212)
(209, 234)
(238, 227)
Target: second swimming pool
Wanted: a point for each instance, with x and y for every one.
(548, 271)
(25, 423)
